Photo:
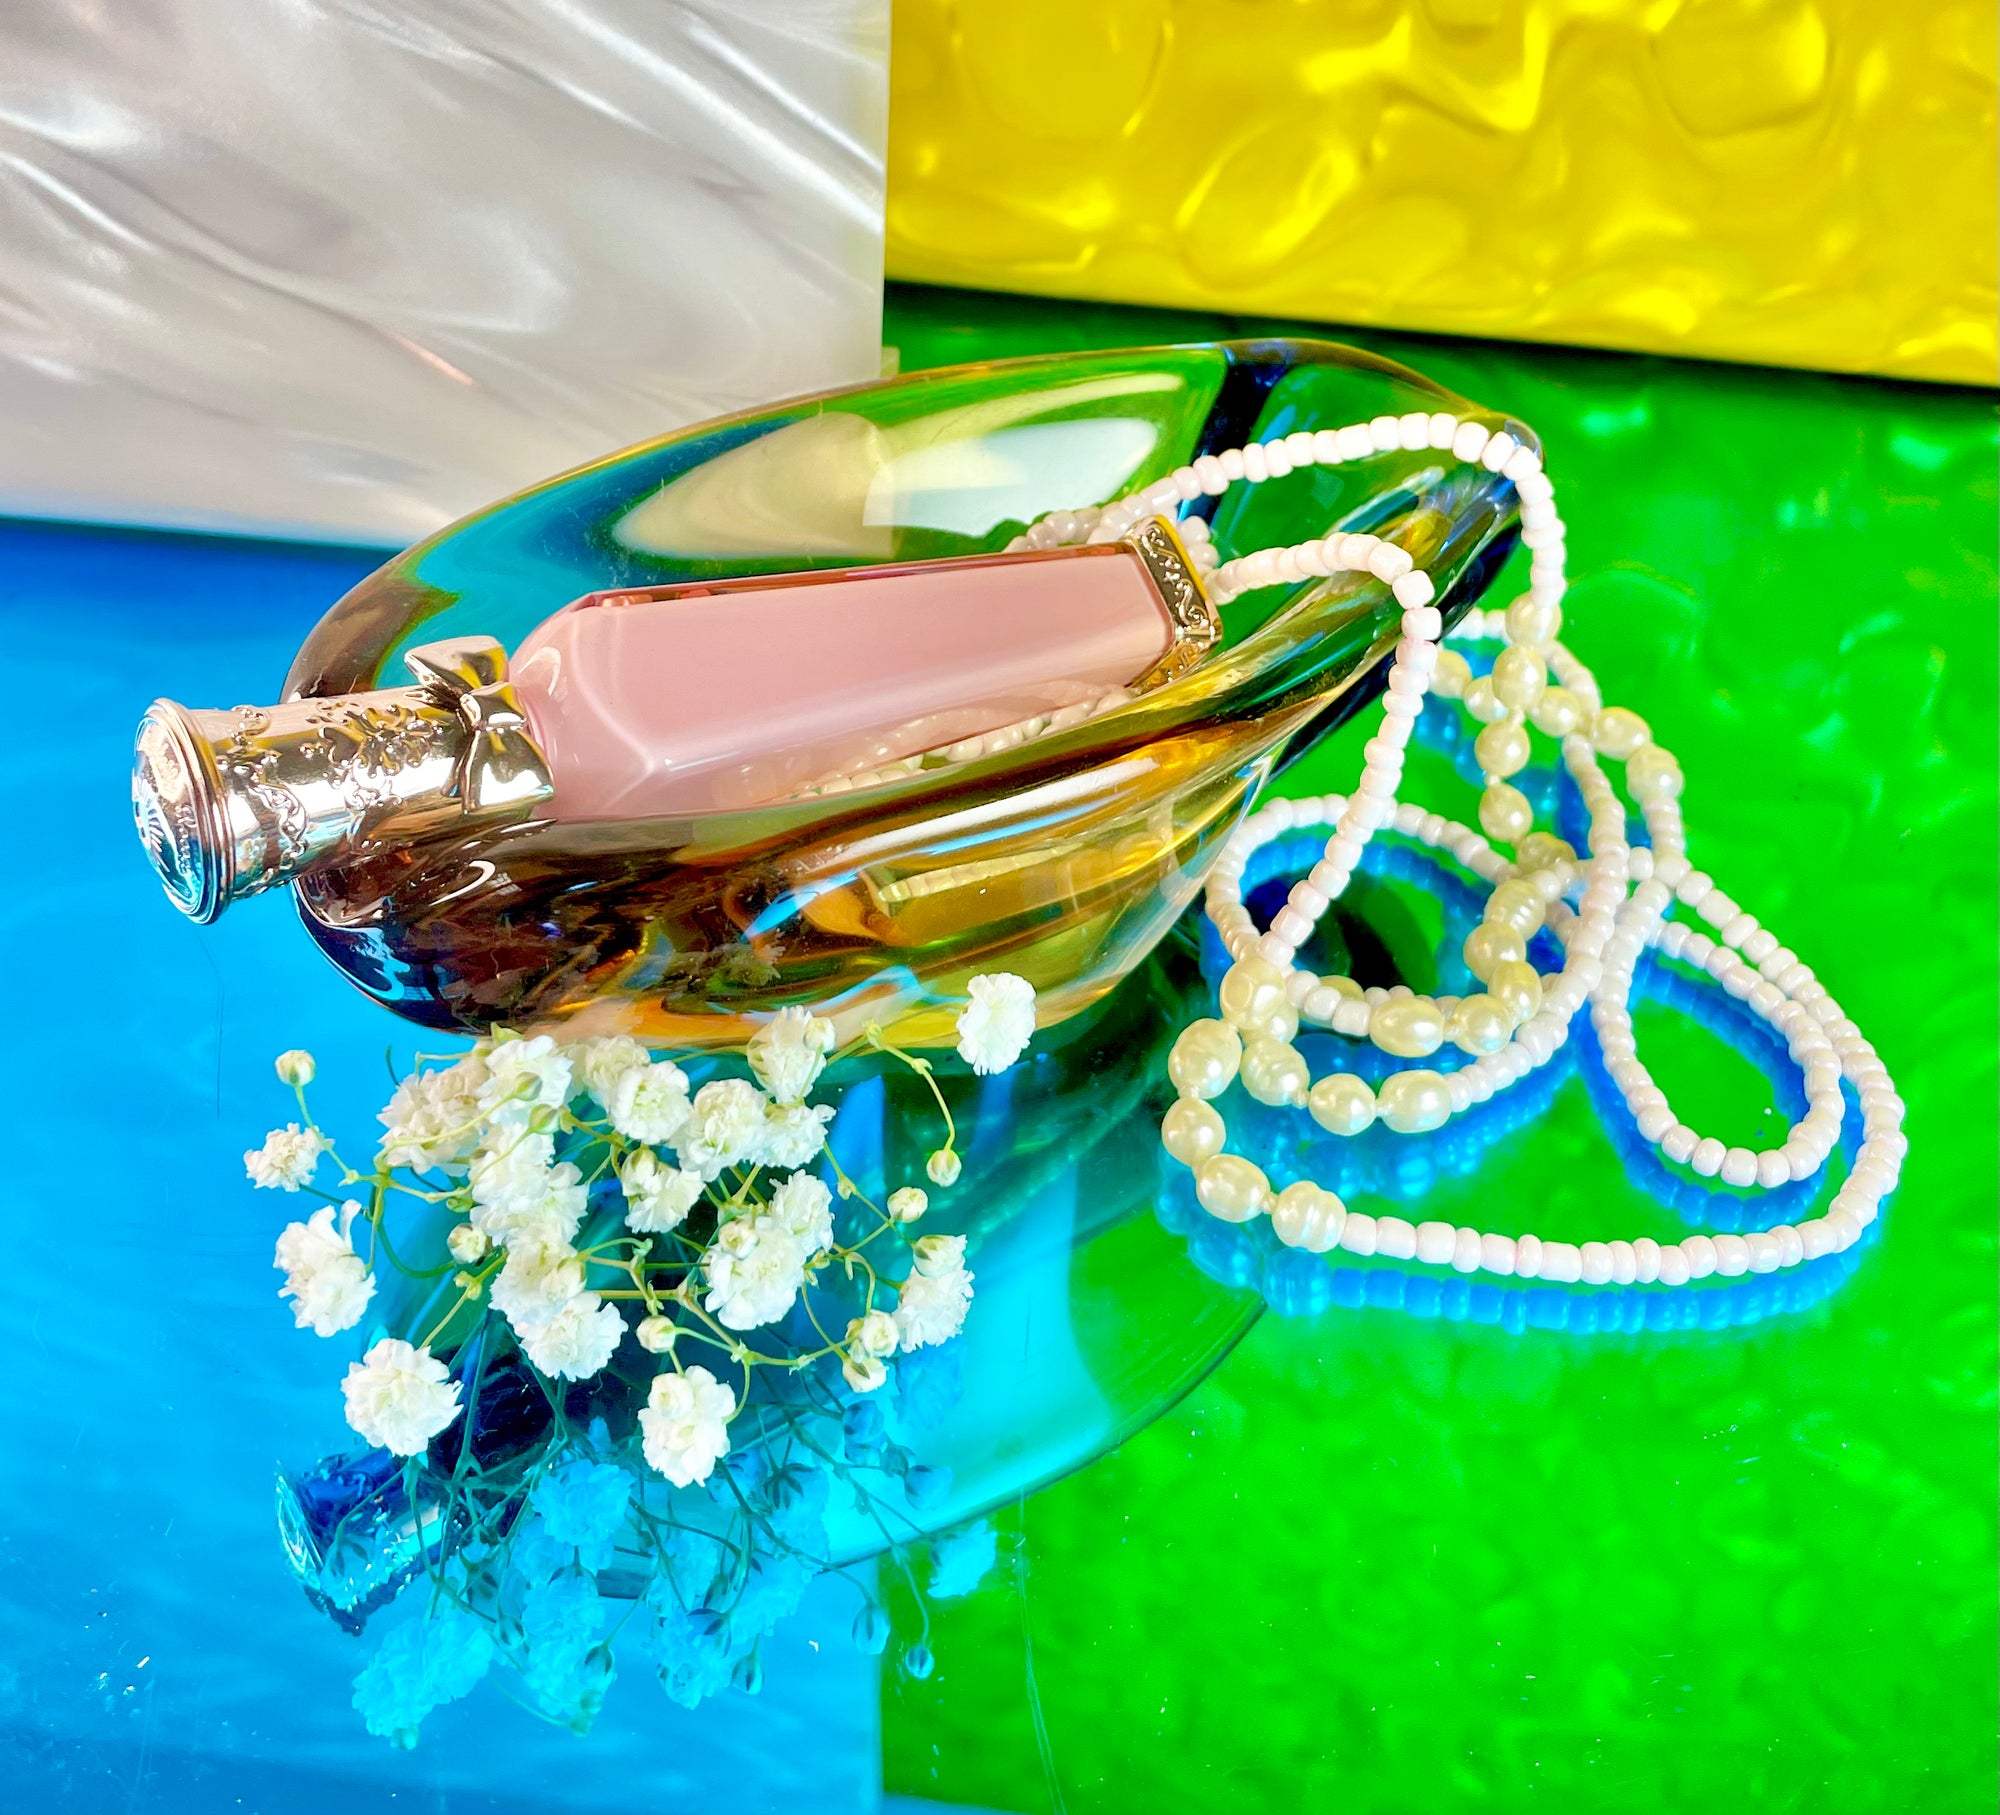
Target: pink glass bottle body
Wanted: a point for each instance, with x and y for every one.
(724, 694)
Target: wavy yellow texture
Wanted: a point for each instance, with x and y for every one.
(1782, 181)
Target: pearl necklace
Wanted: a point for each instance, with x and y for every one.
(1603, 911)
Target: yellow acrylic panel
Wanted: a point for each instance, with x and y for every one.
(1795, 182)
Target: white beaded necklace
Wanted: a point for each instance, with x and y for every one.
(1604, 911)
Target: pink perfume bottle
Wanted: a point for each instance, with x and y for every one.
(662, 702)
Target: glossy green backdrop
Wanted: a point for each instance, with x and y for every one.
(1381, 1564)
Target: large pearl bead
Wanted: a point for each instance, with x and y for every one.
(1273, 1072)
(1558, 712)
(1414, 1102)
(1502, 748)
(1451, 676)
(1531, 620)
(1341, 1103)
(1306, 1216)
(1618, 732)
(1517, 987)
(1231, 1187)
(1204, 1059)
(1504, 813)
(1652, 774)
(1481, 701)
(1490, 943)
(1520, 677)
(1542, 851)
(1518, 904)
(1191, 1131)
(1410, 1027)
(1480, 1025)
(1251, 990)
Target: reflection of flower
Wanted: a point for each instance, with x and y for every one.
(996, 1025)
(328, 1283)
(685, 1425)
(287, 1158)
(425, 1662)
(962, 1559)
(399, 1396)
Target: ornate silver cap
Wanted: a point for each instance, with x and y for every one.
(232, 803)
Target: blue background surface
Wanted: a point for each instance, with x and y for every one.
(155, 1653)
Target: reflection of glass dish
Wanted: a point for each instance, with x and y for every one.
(1062, 855)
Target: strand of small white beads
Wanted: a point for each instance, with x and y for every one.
(1603, 911)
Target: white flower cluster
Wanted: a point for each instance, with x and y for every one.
(508, 1141)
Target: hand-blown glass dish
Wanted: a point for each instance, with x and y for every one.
(1062, 857)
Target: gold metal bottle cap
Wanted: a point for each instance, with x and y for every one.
(232, 803)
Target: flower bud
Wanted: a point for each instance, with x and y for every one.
(296, 1068)
(873, 1334)
(657, 1335)
(939, 1254)
(468, 1244)
(864, 1373)
(943, 1167)
(909, 1203)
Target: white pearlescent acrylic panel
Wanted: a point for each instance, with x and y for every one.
(352, 269)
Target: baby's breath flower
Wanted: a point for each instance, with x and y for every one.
(657, 1335)
(685, 1425)
(788, 1052)
(864, 1373)
(725, 1127)
(909, 1203)
(522, 1076)
(468, 1243)
(873, 1334)
(943, 1167)
(287, 1158)
(803, 1208)
(296, 1068)
(518, 1196)
(794, 1134)
(598, 1064)
(658, 1197)
(433, 1122)
(932, 1303)
(997, 1024)
(538, 1280)
(649, 1103)
(754, 1272)
(578, 1340)
(399, 1396)
(328, 1283)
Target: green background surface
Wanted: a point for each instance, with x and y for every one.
(1379, 1564)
